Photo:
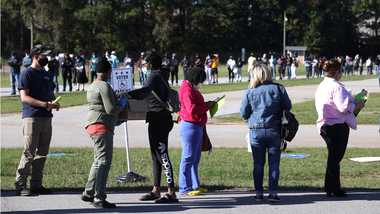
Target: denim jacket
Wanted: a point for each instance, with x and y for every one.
(262, 106)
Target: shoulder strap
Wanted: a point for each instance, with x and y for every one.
(157, 97)
(279, 87)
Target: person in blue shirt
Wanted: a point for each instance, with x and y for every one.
(37, 95)
(262, 106)
(26, 61)
(114, 60)
(93, 63)
(15, 64)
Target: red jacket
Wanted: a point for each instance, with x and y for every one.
(193, 106)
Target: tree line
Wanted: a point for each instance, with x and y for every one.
(192, 26)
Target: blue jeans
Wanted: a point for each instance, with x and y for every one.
(273, 70)
(56, 83)
(191, 140)
(288, 71)
(15, 80)
(261, 141)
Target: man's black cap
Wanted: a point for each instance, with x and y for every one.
(40, 50)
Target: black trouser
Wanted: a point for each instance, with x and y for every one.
(160, 124)
(231, 75)
(336, 138)
(174, 73)
(92, 75)
(67, 78)
(308, 72)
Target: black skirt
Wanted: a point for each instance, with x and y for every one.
(81, 76)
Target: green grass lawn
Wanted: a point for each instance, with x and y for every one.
(306, 113)
(4, 80)
(288, 83)
(12, 104)
(224, 168)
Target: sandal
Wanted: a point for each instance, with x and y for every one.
(167, 198)
(194, 193)
(151, 196)
(202, 190)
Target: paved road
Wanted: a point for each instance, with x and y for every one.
(68, 125)
(218, 202)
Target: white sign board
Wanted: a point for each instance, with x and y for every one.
(121, 80)
(365, 159)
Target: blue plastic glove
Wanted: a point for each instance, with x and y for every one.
(123, 102)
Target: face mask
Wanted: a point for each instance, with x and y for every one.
(43, 61)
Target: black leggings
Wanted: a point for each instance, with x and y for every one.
(160, 124)
(231, 74)
(336, 138)
(67, 79)
(174, 74)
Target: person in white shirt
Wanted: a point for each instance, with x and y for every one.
(368, 64)
(272, 65)
(293, 68)
(314, 68)
(231, 63)
(127, 61)
(251, 61)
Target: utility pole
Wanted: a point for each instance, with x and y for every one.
(31, 35)
(284, 35)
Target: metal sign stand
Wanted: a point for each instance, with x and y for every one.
(130, 176)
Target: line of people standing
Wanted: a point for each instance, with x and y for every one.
(334, 104)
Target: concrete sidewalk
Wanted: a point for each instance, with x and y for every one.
(218, 202)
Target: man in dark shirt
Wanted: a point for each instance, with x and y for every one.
(15, 64)
(67, 67)
(174, 68)
(53, 66)
(37, 95)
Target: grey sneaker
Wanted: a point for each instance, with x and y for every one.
(41, 191)
(104, 204)
(259, 197)
(273, 198)
(87, 198)
(23, 192)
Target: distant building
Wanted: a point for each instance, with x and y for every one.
(299, 51)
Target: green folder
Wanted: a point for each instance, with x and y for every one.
(361, 96)
(219, 102)
(57, 99)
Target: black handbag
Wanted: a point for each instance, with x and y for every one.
(289, 123)
(206, 145)
(289, 126)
